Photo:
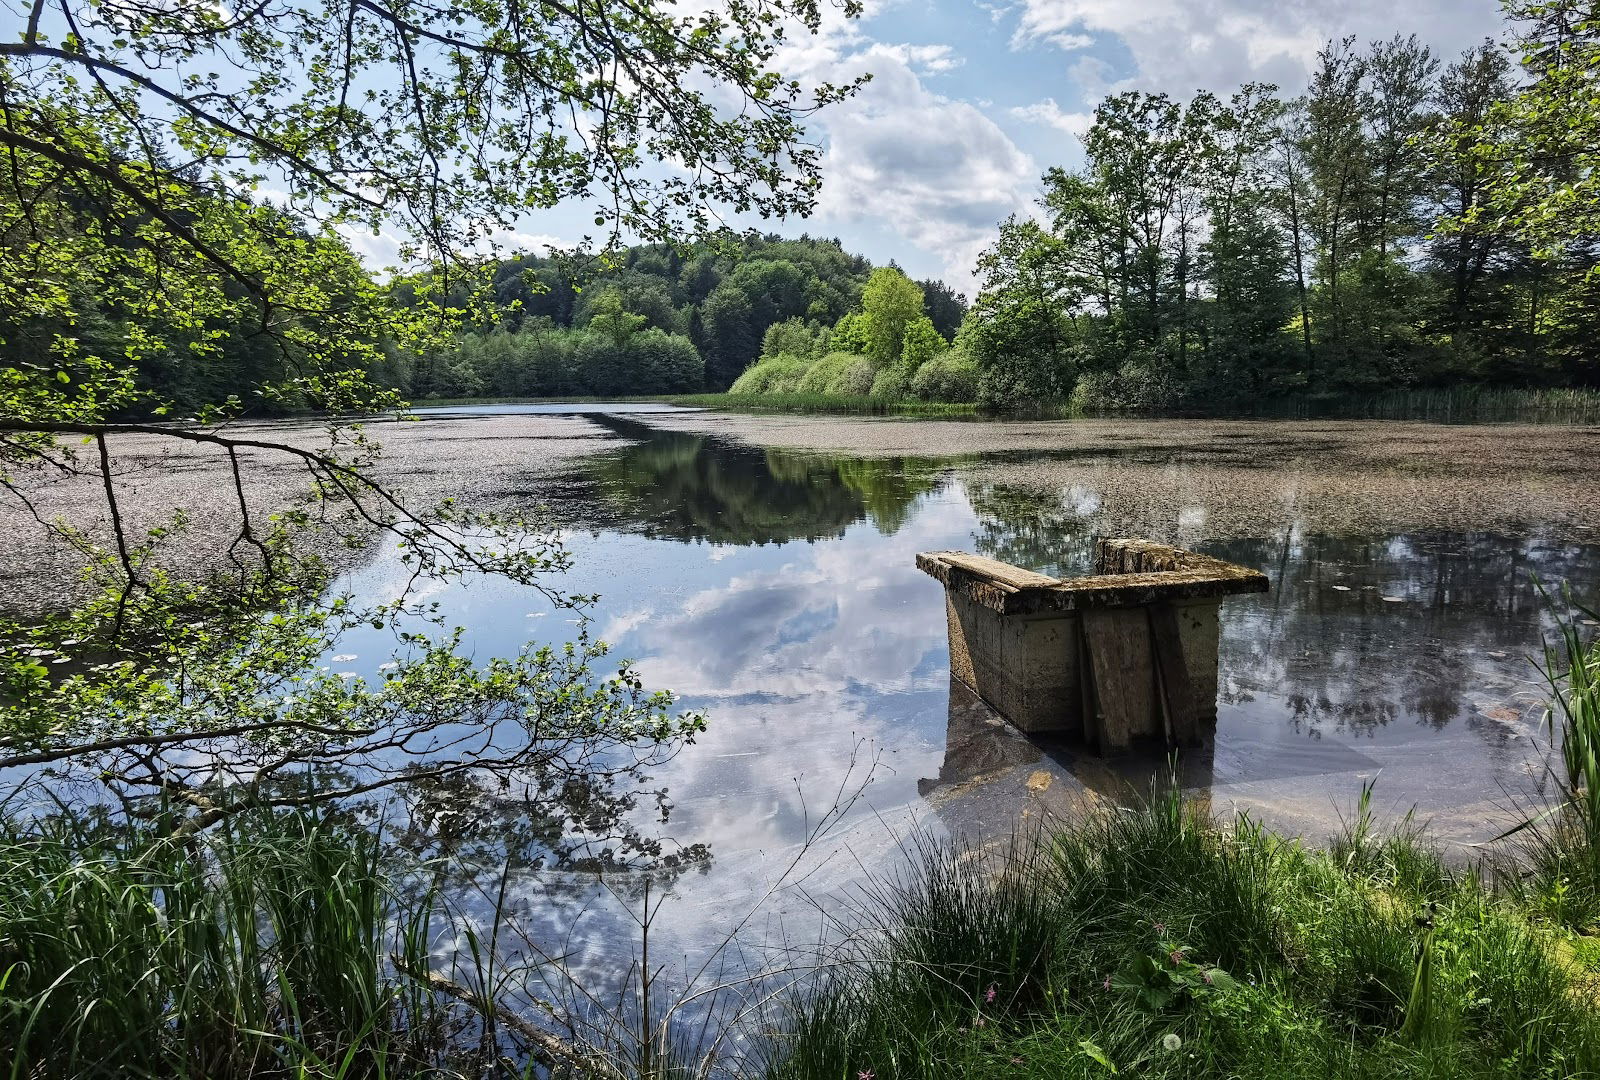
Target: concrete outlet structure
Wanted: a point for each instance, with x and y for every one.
(1127, 654)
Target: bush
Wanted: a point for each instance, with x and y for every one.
(1137, 385)
(891, 384)
(779, 375)
(949, 376)
(853, 379)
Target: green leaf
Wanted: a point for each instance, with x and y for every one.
(1096, 1054)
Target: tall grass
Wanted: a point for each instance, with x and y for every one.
(263, 950)
(1562, 845)
(824, 403)
(1458, 404)
(1157, 944)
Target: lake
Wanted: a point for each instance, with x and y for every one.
(763, 568)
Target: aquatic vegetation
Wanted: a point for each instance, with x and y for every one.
(801, 402)
(1563, 843)
(1452, 405)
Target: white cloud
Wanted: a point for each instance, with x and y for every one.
(1050, 114)
(937, 173)
(923, 59)
(1183, 45)
(381, 250)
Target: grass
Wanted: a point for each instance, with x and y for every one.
(1150, 942)
(793, 403)
(1561, 846)
(262, 950)
(1147, 942)
(1154, 943)
(1460, 404)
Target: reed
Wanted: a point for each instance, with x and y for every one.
(262, 950)
(1561, 846)
(1456, 404)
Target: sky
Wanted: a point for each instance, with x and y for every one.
(971, 101)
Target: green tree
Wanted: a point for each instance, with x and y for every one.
(1246, 352)
(945, 307)
(795, 337)
(889, 304)
(133, 134)
(1020, 330)
(920, 344)
(728, 336)
(607, 315)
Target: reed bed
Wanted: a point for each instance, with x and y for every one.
(1455, 405)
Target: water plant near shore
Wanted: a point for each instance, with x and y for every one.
(1562, 844)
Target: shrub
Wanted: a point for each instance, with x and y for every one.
(1137, 385)
(949, 376)
(822, 373)
(891, 384)
(779, 375)
(853, 379)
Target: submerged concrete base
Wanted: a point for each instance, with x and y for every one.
(1130, 653)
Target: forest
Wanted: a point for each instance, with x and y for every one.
(1401, 221)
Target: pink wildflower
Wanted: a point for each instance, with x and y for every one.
(1177, 957)
(988, 995)
(865, 1074)
(1161, 928)
(1107, 983)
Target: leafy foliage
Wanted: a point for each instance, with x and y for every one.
(179, 184)
(1395, 225)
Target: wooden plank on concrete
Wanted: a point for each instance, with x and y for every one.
(1173, 684)
(1118, 641)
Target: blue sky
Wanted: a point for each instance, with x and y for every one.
(970, 102)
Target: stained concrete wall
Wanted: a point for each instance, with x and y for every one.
(1093, 658)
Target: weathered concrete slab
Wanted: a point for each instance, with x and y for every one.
(1130, 573)
(1128, 654)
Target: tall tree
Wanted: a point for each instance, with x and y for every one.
(728, 337)
(1244, 254)
(1467, 251)
(890, 303)
(1336, 166)
(945, 306)
(1020, 330)
(132, 133)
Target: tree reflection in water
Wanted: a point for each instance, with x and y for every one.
(681, 486)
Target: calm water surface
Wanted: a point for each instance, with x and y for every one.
(777, 591)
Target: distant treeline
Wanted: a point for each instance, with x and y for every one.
(1403, 224)
(657, 320)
